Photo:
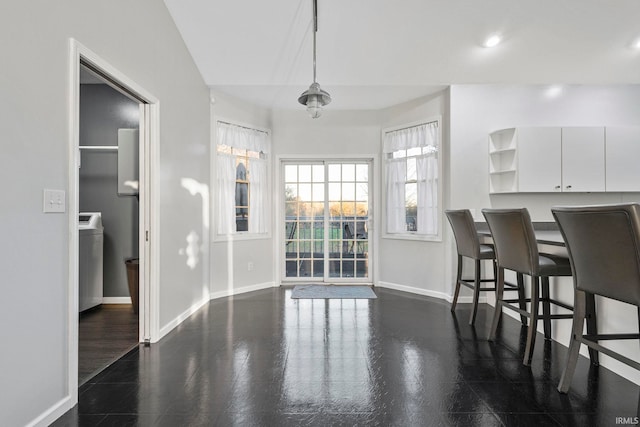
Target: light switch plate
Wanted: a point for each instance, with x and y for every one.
(53, 201)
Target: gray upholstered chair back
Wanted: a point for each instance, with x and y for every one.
(604, 247)
(465, 232)
(514, 239)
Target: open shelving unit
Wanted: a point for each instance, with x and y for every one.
(503, 175)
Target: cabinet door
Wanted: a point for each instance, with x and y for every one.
(622, 155)
(539, 164)
(583, 159)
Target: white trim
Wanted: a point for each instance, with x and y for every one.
(242, 290)
(428, 293)
(73, 245)
(54, 412)
(243, 235)
(414, 290)
(116, 300)
(182, 317)
(149, 161)
(413, 236)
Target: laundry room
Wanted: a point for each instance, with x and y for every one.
(108, 223)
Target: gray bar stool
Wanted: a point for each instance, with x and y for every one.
(468, 245)
(604, 247)
(517, 250)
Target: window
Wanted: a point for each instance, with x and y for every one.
(411, 156)
(242, 179)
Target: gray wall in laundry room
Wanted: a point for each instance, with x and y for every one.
(103, 111)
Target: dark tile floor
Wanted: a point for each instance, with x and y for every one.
(264, 359)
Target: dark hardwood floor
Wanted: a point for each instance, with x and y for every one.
(264, 359)
(106, 333)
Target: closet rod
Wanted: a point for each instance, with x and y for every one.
(99, 147)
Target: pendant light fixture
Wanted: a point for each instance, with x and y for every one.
(314, 98)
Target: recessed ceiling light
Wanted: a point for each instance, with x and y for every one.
(636, 44)
(554, 91)
(492, 41)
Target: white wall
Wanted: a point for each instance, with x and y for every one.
(140, 40)
(230, 273)
(419, 266)
(477, 110)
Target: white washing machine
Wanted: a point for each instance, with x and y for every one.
(91, 235)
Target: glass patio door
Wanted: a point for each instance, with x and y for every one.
(327, 221)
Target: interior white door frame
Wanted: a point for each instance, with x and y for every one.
(149, 204)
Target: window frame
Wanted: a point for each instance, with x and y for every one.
(412, 235)
(238, 235)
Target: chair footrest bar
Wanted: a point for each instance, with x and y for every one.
(605, 337)
(610, 353)
(559, 316)
(561, 304)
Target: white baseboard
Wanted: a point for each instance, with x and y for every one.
(116, 300)
(428, 293)
(242, 290)
(181, 318)
(414, 290)
(213, 295)
(53, 413)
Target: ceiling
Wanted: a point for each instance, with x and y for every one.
(373, 54)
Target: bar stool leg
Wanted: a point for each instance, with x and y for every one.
(457, 291)
(521, 299)
(498, 308)
(531, 329)
(494, 263)
(476, 293)
(546, 308)
(592, 325)
(579, 313)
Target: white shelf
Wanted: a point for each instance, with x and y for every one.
(503, 160)
(503, 172)
(502, 151)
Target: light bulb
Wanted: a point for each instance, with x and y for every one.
(492, 41)
(314, 108)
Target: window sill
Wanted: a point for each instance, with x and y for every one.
(413, 237)
(238, 237)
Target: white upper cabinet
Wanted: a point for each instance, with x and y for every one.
(583, 154)
(539, 159)
(564, 159)
(623, 158)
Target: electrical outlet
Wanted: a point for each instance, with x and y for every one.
(53, 201)
(250, 266)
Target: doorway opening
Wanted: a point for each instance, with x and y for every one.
(108, 231)
(113, 156)
(326, 221)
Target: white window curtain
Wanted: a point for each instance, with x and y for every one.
(424, 136)
(427, 170)
(396, 211)
(226, 177)
(258, 201)
(242, 137)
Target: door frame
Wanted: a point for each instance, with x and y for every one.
(373, 160)
(148, 196)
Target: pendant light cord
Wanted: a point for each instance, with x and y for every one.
(315, 30)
